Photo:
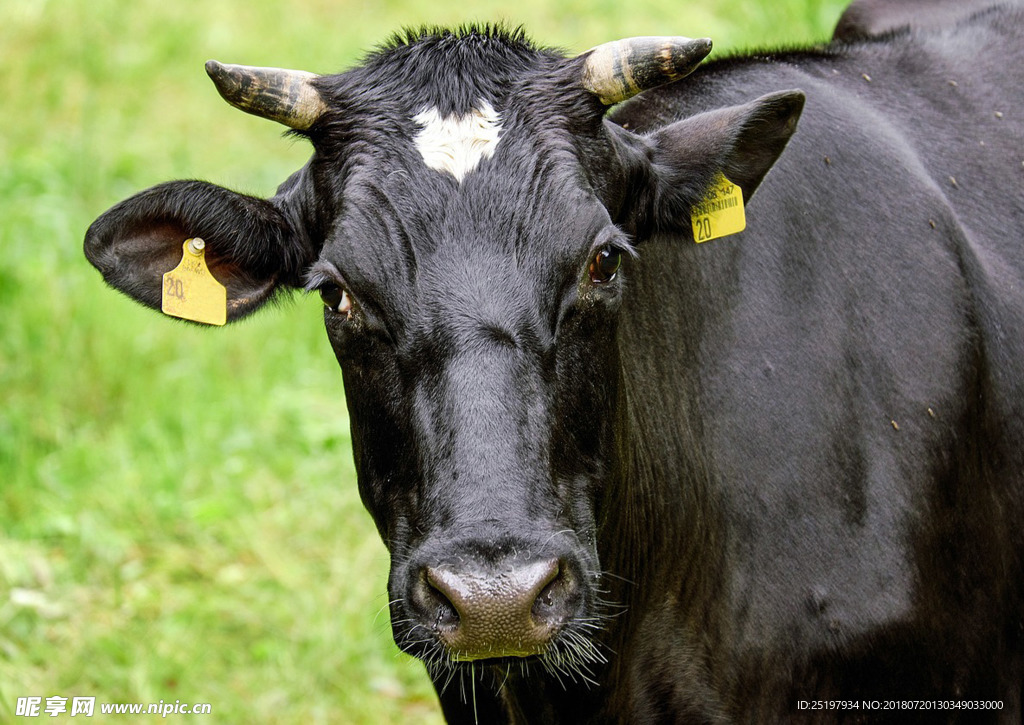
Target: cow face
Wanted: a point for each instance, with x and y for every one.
(481, 378)
(471, 239)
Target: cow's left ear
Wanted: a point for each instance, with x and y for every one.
(251, 247)
(741, 142)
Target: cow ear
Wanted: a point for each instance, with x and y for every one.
(250, 246)
(741, 142)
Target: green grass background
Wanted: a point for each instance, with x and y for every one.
(178, 511)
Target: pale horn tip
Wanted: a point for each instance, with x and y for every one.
(214, 68)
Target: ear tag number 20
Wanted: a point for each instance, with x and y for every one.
(720, 213)
(190, 290)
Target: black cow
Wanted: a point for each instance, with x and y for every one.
(624, 477)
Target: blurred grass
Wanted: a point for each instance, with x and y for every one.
(178, 511)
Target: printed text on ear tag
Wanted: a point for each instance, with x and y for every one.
(191, 292)
(720, 213)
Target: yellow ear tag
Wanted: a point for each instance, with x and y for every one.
(191, 292)
(720, 213)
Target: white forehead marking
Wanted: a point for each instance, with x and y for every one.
(457, 144)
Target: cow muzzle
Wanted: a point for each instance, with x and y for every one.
(479, 608)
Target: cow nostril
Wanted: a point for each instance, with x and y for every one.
(432, 598)
(553, 598)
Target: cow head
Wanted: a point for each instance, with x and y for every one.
(469, 217)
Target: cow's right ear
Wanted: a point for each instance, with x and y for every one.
(251, 248)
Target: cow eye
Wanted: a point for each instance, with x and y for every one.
(604, 265)
(336, 298)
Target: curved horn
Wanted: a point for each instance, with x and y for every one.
(285, 96)
(619, 70)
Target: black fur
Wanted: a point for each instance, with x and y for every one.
(783, 466)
